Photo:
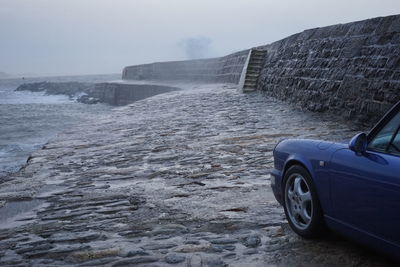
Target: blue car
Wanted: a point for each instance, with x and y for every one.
(353, 188)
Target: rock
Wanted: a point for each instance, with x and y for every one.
(99, 262)
(134, 253)
(95, 254)
(252, 241)
(117, 94)
(131, 233)
(229, 247)
(229, 255)
(136, 200)
(66, 249)
(272, 248)
(223, 241)
(192, 242)
(195, 261)
(134, 261)
(71, 89)
(174, 258)
(36, 248)
(169, 229)
(85, 99)
(220, 248)
(216, 249)
(250, 251)
(80, 237)
(239, 209)
(158, 246)
(215, 262)
(189, 248)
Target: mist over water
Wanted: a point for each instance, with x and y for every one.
(28, 120)
(196, 47)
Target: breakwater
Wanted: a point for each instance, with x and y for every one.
(120, 94)
(224, 69)
(113, 93)
(349, 69)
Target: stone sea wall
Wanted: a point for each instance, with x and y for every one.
(116, 94)
(224, 69)
(350, 69)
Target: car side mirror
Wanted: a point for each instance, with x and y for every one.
(359, 143)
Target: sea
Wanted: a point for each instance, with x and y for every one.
(28, 120)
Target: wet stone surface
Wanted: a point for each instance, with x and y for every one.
(180, 179)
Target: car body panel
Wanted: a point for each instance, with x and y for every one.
(368, 186)
(363, 237)
(359, 193)
(314, 155)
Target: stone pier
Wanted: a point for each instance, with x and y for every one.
(350, 69)
(178, 179)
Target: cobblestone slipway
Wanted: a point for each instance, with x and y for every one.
(179, 179)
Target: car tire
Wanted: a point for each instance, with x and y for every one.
(300, 201)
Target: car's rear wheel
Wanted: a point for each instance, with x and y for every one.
(302, 207)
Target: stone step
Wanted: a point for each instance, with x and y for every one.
(252, 85)
(257, 73)
(252, 78)
(254, 69)
(256, 61)
(258, 52)
(256, 66)
(258, 56)
(246, 89)
(250, 81)
(261, 57)
(254, 73)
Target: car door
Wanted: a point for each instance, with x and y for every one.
(365, 187)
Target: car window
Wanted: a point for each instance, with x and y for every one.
(395, 146)
(382, 139)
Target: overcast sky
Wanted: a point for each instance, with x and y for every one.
(102, 36)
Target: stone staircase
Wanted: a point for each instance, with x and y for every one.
(253, 70)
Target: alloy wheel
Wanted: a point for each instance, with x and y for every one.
(298, 201)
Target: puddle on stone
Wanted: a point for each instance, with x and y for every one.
(14, 214)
